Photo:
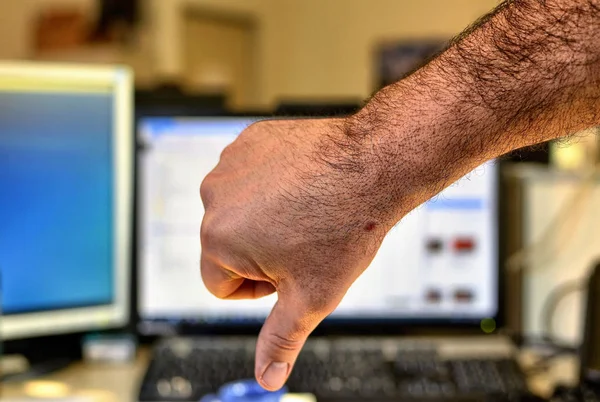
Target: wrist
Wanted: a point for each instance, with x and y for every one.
(410, 135)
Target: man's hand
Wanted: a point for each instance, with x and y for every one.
(287, 212)
(301, 207)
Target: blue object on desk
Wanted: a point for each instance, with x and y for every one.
(244, 391)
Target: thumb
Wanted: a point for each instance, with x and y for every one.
(281, 338)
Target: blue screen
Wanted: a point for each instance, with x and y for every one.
(56, 191)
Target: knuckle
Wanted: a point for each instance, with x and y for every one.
(208, 234)
(206, 191)
(215, 233)
(226, 152)
(286, 343)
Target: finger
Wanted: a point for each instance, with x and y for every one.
(226, 284)
(250, 289)
(219, 281)
(282, 336)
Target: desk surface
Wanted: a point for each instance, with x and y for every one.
(120, 382)
(93, 382)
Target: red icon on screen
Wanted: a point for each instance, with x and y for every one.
(463, 296)
(464, 244)
(433, 296)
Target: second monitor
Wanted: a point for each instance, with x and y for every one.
(438, 266)
(66, 173)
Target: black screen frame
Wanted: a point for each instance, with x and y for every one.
(329, 327)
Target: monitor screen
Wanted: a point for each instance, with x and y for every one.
(439, 264)
(61, 172)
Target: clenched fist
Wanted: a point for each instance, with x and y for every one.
(293, 207)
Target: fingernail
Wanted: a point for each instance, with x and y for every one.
(275, 375)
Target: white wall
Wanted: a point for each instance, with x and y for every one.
(14, 29)
(307, 48)
(166, 19)
(327, 47)
(317, 48)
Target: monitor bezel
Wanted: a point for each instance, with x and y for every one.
(116, 314)
(333, 326)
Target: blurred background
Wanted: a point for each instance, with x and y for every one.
(254, 58)
(257, 52)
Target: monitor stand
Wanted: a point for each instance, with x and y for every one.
(43, 355)
(37, 370)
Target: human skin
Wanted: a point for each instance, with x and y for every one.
(300, 207)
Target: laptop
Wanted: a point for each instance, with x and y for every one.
(434, 286)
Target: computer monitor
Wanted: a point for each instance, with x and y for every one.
(439, 266)
(66, 167)
(323, 109)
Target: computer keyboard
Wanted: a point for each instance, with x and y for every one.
(185, 369)
(581, 393)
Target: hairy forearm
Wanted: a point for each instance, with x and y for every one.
(527, 73)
